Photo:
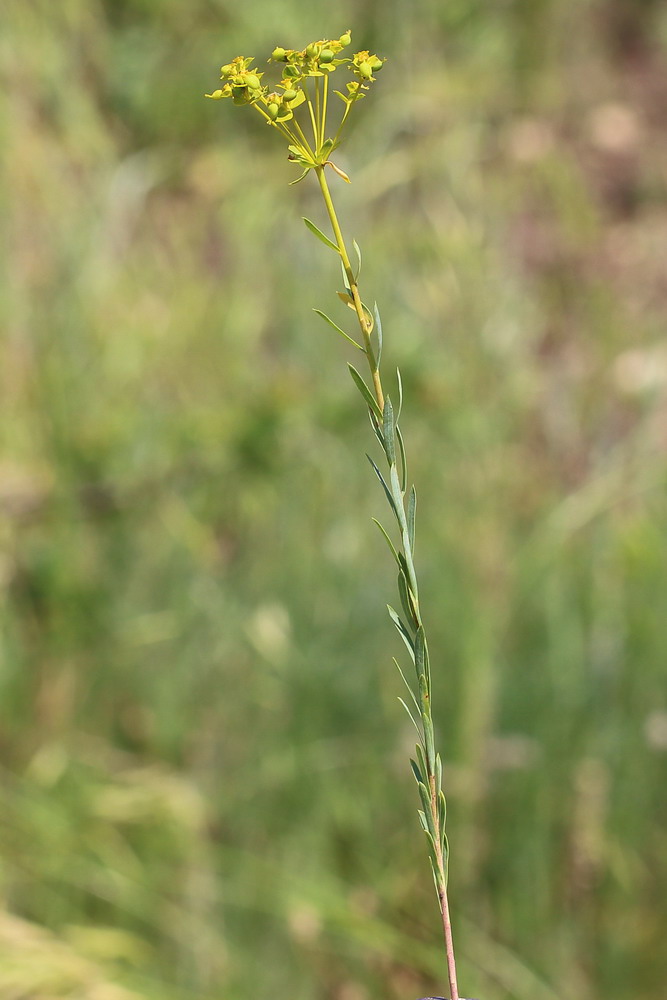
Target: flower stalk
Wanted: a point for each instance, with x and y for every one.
(305, 85)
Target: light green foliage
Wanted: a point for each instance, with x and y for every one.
(203, 791)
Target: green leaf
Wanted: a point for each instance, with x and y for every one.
(421, 759)
(415, 770)
(346, 280)
(402, 631)
(378, 327)
(406, 603)
(438, 771)
(392, 547)
(412, 719)
(320, 235)
(412, 510)
(376, 428)
(338, 329)
(358, 253)
(412, 694)
(364, 390)
(404, 461)
(420, 647)
(400, 394)
(292, 183)
(388, 431)
(426, 805)
(442, 812)
(390, 499)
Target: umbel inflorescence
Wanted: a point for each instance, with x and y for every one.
(304, 84)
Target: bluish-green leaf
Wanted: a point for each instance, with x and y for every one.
(365, 391)
(390, 499)
(392, 547)
(420, 646)
(421, 759)
(426, 806)
(410, 715)
(400, 394)
(406, 602)
(402, 631)
(337, 328)
(404, 461)
(415, 770)
(388, 431)
(320, 235)
(404, 679)
(442, 813)
(378, 327)
(412, 510)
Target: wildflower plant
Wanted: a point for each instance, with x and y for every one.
(298, 106)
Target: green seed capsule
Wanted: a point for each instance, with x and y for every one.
(272, 111)
(365, 70)
(312, 51)
(345, 39)
(377, 64)
(227, 69)
(289, 95)
(326, 56)
(279, 54)
(253, 81)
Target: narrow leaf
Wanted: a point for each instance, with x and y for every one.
(415, 770)
(376, 428)
(337, 328)
(346, 280)
(412, 510)
(392, 547)
(426, 806)
(421, 759)
(406, 603)
(358, 253)
(292, 183)
(403, 678)
(404, 461)
(442, 813)
(344, 297)
(320, 235)
(400, 394)
(438, 771)
(412, 719)
(388, 430)
(378, 327)
(364, 390)
(403, 632)
(420, 645)
(383, 483)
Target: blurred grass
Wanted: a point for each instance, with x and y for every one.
(198, 722)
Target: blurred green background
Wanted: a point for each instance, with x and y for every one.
(205, 791)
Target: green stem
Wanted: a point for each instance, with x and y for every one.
(364, 325)
(325, 94)
(440, 864)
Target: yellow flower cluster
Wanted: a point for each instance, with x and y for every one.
(304, 81)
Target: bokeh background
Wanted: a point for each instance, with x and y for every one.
(205, 791)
